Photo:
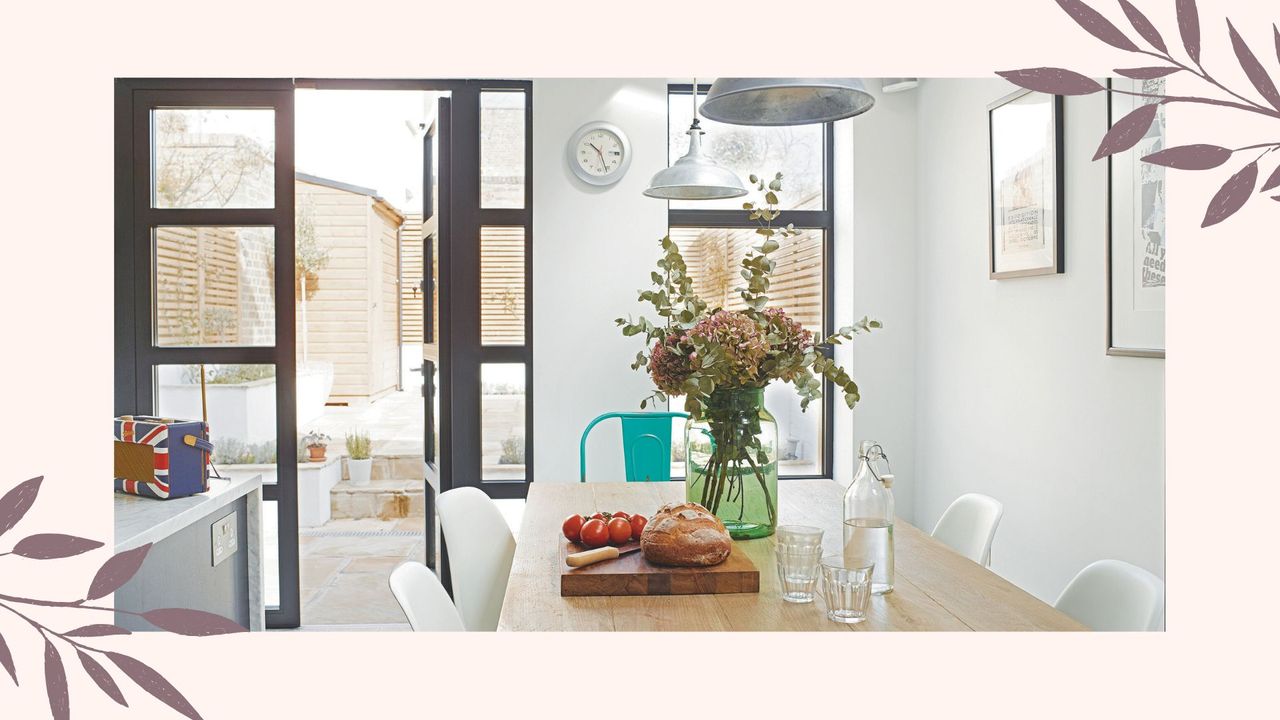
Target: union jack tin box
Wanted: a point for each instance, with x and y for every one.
(161, 458)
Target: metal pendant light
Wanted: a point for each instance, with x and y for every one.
(785, 101)
(695, 176)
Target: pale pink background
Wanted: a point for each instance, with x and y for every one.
(56, 186)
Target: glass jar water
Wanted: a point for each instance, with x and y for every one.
(731, 456)
(868, 519)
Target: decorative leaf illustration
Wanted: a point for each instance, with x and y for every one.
(102, 678)
(154, 684)
(1253, 69)
(52, 546)
(1097, 25)
(55, 680)
(1276, 30)
(116, 572)
(1055, 81)
(110, 577)
(1127, 131)
(6, 659)
(191, 622)
(1190, 157)
(17, 502)
(1143, 26)
(101, 630)
(1233, 195)
(1273, 181)
(1189, 28)
(1146, 73)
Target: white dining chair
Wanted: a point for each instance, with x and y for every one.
(480, 546)
(969, 526)
(1114, 595)
(423, 599)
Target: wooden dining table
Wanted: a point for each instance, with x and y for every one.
(934, 587)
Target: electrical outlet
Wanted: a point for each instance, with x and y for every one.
(225, 542)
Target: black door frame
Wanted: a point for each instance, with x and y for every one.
(462, 354)
(136, 354)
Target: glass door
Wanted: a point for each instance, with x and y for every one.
(435, 171)
(204, 283)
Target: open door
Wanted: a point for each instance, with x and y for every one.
(435, 153)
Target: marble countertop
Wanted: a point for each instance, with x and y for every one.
(141, 520)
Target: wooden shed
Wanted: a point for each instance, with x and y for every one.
(352, 304)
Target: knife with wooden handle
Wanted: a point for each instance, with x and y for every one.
(600, 554)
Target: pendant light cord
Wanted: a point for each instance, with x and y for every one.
(696, 124)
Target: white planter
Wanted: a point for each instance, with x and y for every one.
(315, 480)
(360, 470)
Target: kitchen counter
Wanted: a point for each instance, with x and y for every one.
(183, 561)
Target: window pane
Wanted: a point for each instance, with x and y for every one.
(799, 433)
(795, 151)
(502, 149)
(270, 553)
(213, 158)
(714, 256)
(242, 427)
(214, 286)
(242, 412)
(502, 284)
(502, 440)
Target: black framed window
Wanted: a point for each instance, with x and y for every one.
(504, 316)
(715, 235)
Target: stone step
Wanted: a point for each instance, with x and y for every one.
(386, 467)
(385, 499)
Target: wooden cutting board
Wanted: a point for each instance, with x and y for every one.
(633, 575)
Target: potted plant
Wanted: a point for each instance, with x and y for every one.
(315, 442)
(721, 360)
(359, 460)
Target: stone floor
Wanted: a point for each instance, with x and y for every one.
(345, 566)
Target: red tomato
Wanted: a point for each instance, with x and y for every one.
(572, 527)
(637, 526)
(622, 515)
(595, 533)
(619, 531)
(600, 516)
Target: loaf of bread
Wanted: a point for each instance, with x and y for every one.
(685, 535)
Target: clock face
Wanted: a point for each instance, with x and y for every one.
(600, 152)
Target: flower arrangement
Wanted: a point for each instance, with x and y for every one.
(708, 354)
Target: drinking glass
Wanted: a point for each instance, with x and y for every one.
(846, 589)
(799, 535)
(798, 571)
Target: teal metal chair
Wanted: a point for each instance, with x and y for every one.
(646, 444)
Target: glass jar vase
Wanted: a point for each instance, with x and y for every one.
(731, 462)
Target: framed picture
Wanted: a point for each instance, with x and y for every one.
(1025, 186)
(1136, 237)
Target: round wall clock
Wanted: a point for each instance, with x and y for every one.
(599, 153)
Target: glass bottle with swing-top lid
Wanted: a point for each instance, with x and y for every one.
(868, 517)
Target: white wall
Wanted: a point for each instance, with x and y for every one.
(881, 275)
(1015, 396)
(594, 250)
